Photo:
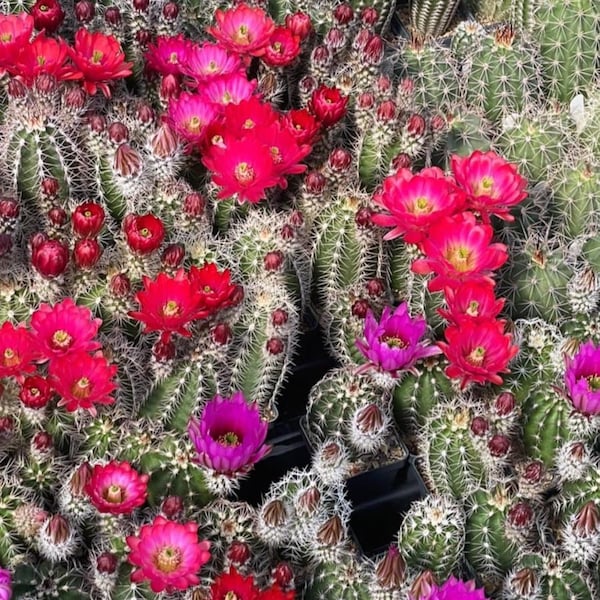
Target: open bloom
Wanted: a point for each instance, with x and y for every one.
(453, 589)
(582, 379)
(414, 202)
(243, 29)
(48, 15)
(168, 554)
(231, 88)
(82, 380)
(493, 185)
(395, 343)
(17, 350)
(478, 352)
(230, 435)
(35, 392)
(116, 488)
(190, 115)
(44, 55)
(15, 32)
(458, 249)
(472, 300)
(328, 105)
(98, 59)
(64, 328)
(144, 233)
(169, 56)
(215, 287)
(283, 48)
(5, 584)
(233, 585)
(211, 60)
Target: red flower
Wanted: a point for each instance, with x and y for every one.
(98, 59)
(82, 380)
(328, 105)
(249, 115)
(88, 219)
(494, 186)
(283, 48)
(47, 15)
(43, 55)
(116, 488)
(471, 301)
(15, 33)
(169, 304)
(233, 585)
(35, 392)
(16, 350)
(243, 29)
(48, 257)
(415, 202)
(458, 249)
(215, 286)
(144, 233)
(302, 125)
(276, 593)
(478, 352)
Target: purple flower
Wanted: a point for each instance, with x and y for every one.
(394, 344)
(582, 379)
(230, 435)
(454, 589)
(5, 585)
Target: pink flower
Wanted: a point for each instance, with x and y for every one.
(82, 380)
(116, 488)
(414, 202)
(582, 379)
(17, 350)
(471, 301)
(458, 249)
(243, 29)
(328, 105)
(493, 185)
(230, 435)
(478, 352)
(190, 115)
(5, 584)
(15, 33)
(211, 60)
(168, 554)
(169, 56)
(64, 328)
(453, 589)
(228, 89)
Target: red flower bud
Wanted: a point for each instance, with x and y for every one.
(238, 553)
(47, 15)
(296, 218)
(320, 56)
(363, 217)
(49, 257)
(340, 159)
(173, 255)
(163, 350)
(118, 133)
(112, 15)
(479, 426)
(107, 563)
(274, 346)
(221, 333)
(365, 100)
(35, 392)
(369, 15)
(120, 285)
(360, 308)
(299, 24)
(335, 39)
(42, 441)
(141, 5)
(16, 88)
(172, 507)
(84, 11)
(194, 205)
(372, 52)
(416, 126)
(144, 233)
(279, 317)
(520, 515)
(86, 253)
(79, 480)
(287, 232)
(143, 37)
(50, 187)
(45, 83)
(401, 161)
(315, 182)
(88, 219)
(343, 13)
(57, 215)
(96, 123)
(505, 403)
(7, 424)
(170, 11)
(145, 113)
(75, 98)
(273, 260)
(283, 574)
(58, 529)
(169, 87)
(384, 84)
(499, 445)
(534, 471)
(375, 287)
(127, 161)
(306, 85)
(9, 208)
(386, 111)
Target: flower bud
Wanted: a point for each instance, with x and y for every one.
(49, 258)
(48, 15)
(194, 205)
(279, 317)
(479, 426)
(423, 586)
(120, 285)
(75, 98)
(170, 11)
(299, 24)
(309, 500)
(35, 392)
(50, 187)
(340, 159)
(369, 419)
(273, 260)
(96, 123)
(7, 424)
(335, 39)
(287, 232)
(163, 350)
(58, 529)
(520, 515)
(112, 15)
(401, 161)
(365, 100)
(172, 507)
(221, 334)
(118, 133)
(144, 233)
(86, 253)
(283, 575)
(369, 15)
(16, 88)
(107, 563)
(315, 182)
(42, 441)
(144, 113)
(505, 403)
(274, 346)
(499, 445)
(45, 83)
(331, 533)
(169, 87)
(88, 219)
(127, 162)
(143, 37)
(9, 209)
(360, 308)
(363, 217)
(534, 471)
(84, 11)
(375, 287)
(80, 479)
(141, 5)
(274, 513)
(57, 215)
(391, 570)
(238, 553)
(173, 255)
(343, 13)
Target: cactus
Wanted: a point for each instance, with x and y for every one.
(343, 580)
(431, 18)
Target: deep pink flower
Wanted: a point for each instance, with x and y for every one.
(228, 89)
(211, 60)
(453, 589)
(15, 33)
(190, 115)
(116, 488)
(64, 328)
(48, 15)
(35, 392)
(283, 48)
(247, 116)
(328, 105)
(472, 300)
(169, 56)
(82, 380)
(582, 379)
(493, 185)
(229, 436)
(414, 202)
(394, 344)
(44, 55)
(302, 125)
(478, 352)
(144, 233)
(458, 249)
(243, 29)
(168, 554)
(17, 350)
(5, 584)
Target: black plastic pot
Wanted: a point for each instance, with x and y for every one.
(380, 498)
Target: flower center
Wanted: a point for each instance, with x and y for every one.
(194, 124)
(594, 382)
(393, 341)
(207, 289)
(82, 388)
(43, 7)
(170, 309)
(41, 60)
(227, 98)
(97, 57)
(460, 257)
(249, 124)
(229, 439)
(173, 59)
(168, 559)
(244, 173)
(61, 339)
(276, 155)
(421, 206)
(485, 187)
(476, 356)
(231, 596)
(473, 308)
(278, 47)
(212, 66)
(34, 391)
(114, 494)
(242, 35)
(10, 358)
(6, 37)
(145, 232)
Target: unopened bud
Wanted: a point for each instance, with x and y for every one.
(118, 133)
(343, 13)
(370, 419)
(84, 11)
(274, 513)
(238, 553)
(80, 479)
(375, 287)
(221, 334)
(120, 285)
(273, 260)
(331, 533)
(391, 569)
(279, 317)
(309, 500)
(340, 159)
(499, 445)
(172, 507)
(315, 182)
(283, 575)
(107, 563)
(173, 255)
(505, 403)
(479, 426)
(520, 515)
(275, 346)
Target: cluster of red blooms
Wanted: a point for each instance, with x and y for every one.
(95, 59)
(448, 218)
(61, 340)
(234, 585)
(213, 106)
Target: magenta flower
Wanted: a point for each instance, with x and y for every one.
(230, 435)
(394, 344)
(582, 379)
(454, 589)
(5, 585)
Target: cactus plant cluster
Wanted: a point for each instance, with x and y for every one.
(186, 186)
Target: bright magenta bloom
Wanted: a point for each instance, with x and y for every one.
(17, 350)
(243, 29)
(230, 435)
(582, 379)
(211, 60)
(458, 249)
(471, 301)
(116, 488)
(228, 89)
(169, 56)
(5, 584)
(493, 185)
(15, 33)
(414, 202)
(453, 589)
(99, 59)
(190, 115)
(283, 48)
(395, 344)
(82, 380)
(168, 554)
(478, 352)
(64, 328)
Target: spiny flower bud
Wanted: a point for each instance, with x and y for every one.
(372, 52)
(50, 187)
(58, 529)
(163, 351)
(520, 515)
(107, 562)
(173, 255)
(401, 161)
(524, 582)
(16, 88)
(58, 216)
(375, 287)
(127, 161)
(391, 570)
(118, 133)
(479, 426)
(75, 98)
(96, 123)
(365, 100)
(112, 15)
(331, 533)
(308, 501)
(499, 445)
(274, 513)
(80, 479)
(120, 285)
(369, 15)
(423, 586)
(42, 441)
(86, 253)
(172, 507)
(169, 87)
(587, 521)
(141, 5)
(238, 553)
(143, 37)
(370, 419)
(335, 39)
(299, 24)
(144, 113)
(221, 333)
(283, 575)
(194, 205)
(9, 209)
(340, 159)
(315, 182)
(273, 260)
(170, 11)
(275, 346)
(343, 13)
(7, 424)
(279, 317)
(416, 126)
(45, 83)
(49, 257)
(164, 142)
(505, 403)
(287, 232)
(84, 11)
(534, 471)
(384, 84)
(386, 111)
(363, 217)
(360, 308)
